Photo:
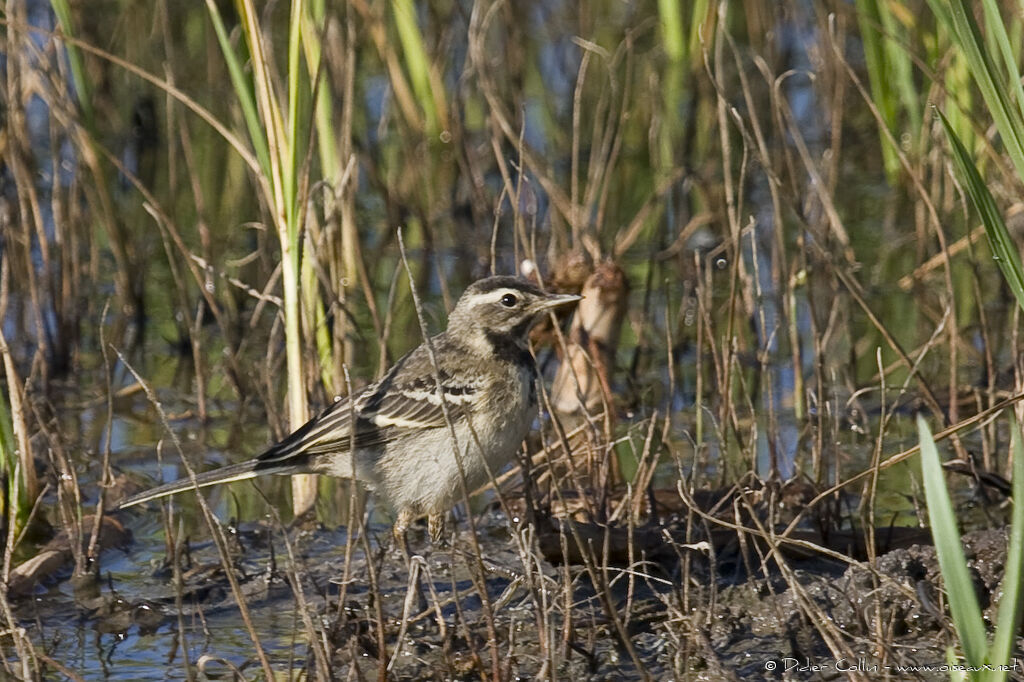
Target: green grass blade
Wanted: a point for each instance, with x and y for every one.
(902, 68)
(243, 91)
(869, 19)
(1009, 618)
(996, 32)
(417, 62)
(314, 20)
(960, 100)
(992, 82)
(891, 76)
(324, 113)
(670, 17)
(296, 116)
(8, 450)
(62, 10)
(963, 604)
(15, 450)
(699, 20)
(940, 8)
(1004, 249)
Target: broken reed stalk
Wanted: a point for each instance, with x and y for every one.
(582, 383)
(583, 380)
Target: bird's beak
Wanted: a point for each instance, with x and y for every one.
(556, 300)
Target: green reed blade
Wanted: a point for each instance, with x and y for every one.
(963, 605)
(8, 452)
(243, 91)
(296, 115)
(417, 62)
(902, 68)
(1008, 621)
(15, 452)
(1004, 249)
(998, 42)
(62, 10)
(670, 18)
(1000, 87)
(890, 75)
(881, 92)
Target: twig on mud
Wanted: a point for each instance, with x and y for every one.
(411, 591)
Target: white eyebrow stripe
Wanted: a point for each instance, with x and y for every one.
(493, 296)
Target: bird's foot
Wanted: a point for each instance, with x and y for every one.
(437, 526)
(405, 518)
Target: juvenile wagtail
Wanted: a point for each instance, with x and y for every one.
(393, 435)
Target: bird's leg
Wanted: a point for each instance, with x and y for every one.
(436, 525)
(405, 518)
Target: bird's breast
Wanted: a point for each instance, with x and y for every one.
(513, 400)
(424, 473)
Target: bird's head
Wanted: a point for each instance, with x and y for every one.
(503, 307)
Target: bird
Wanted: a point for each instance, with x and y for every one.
(457, 406)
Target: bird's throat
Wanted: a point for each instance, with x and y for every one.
(510, 347)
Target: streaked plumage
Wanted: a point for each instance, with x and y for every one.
(393, 435)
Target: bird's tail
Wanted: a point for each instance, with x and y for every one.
(233, 472)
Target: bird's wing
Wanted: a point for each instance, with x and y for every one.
(416, 404)
(329, 431)
(398, 404)
(407, 399)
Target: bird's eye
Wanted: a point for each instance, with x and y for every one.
(509, 300)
